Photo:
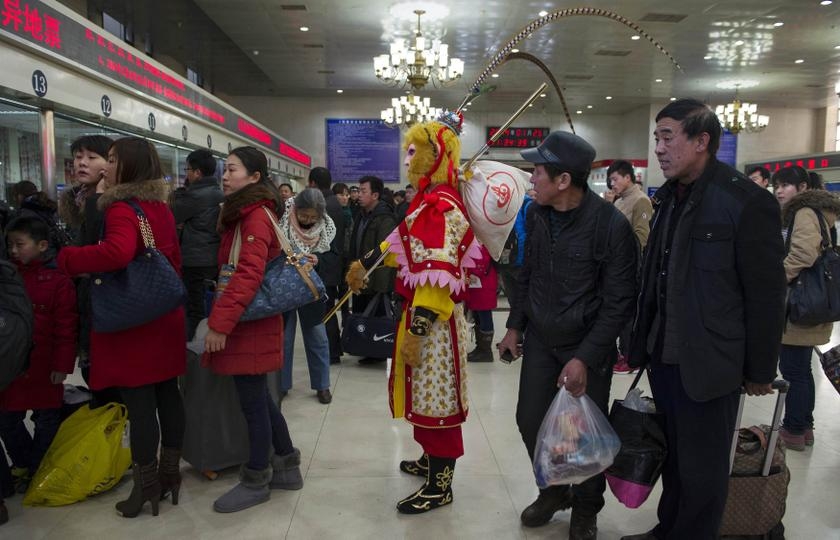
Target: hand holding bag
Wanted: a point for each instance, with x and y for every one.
(368, 334)
(148, 288)
(289, 281)
(639, 463)
(814, 296)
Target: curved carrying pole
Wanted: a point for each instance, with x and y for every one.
(539, 63)
(535, 25)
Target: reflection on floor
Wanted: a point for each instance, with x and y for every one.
(351, 449)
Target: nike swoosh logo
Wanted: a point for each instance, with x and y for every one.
(380, 338)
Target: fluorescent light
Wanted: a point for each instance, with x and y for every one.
(798, 61)
(825, 3)
(304, 29)
(608, 98)
(578, 112)
(495, 75)
(658, 80)
(589, 106)
(542, 13)
(778, 24)
(339, 91)
(636, 37)
(514, 50)
(673, 99)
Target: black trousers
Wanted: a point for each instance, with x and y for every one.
(695, 479)
(509, 275)
(333, 332)
(194, 278)
(541, 367)
(145, 405)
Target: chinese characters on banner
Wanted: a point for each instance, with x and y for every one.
(27, 20)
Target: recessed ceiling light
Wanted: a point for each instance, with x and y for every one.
(579, 112)
(739, 43)
(589, 106)
(495, 75)
(542, 13)
(256, 52)
(825, 3)
(798, 61)
(530, 104)
(514, 50)
(837, 46)
(635, 37)
(658, 80)
(608, 97)
(543, 94)
(339, 91)
(707, 57)
(304, 29)
(778, 24)
(673, 99)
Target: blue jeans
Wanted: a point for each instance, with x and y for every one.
(795, 365)
(26, 450)
(317, 348)
(266, 425)
(484, 320)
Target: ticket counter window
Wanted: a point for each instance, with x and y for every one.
(20, 148)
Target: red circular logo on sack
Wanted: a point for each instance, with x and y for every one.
(501, 190)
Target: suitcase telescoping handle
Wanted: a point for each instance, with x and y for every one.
(781, 387)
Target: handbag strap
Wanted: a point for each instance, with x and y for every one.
(825, 241)
(145, 227)
(642, 371)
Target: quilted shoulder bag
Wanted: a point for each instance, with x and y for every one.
(289, 282)
(145, 290)
(814, 296)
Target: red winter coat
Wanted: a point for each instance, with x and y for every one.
(252, 347)
(53, 299)
(153, 352)
(483, 298)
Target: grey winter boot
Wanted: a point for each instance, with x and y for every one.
(251, 490)
(483, 351)
(286, 471)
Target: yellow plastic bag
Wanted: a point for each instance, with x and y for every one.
(86, 457)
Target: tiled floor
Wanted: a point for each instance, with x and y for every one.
(351, 449)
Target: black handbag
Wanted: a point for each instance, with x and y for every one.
(289, 280)
(814, 296)
(148, 288)
(368, 334)
(641, 458)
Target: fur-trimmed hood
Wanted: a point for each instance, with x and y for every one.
(814, 198)
(147, 190)
(245, 201)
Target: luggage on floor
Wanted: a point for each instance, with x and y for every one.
(759, 478)
(216, 436)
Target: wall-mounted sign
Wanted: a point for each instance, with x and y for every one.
(517, 137)
(816, 161)
(359, 147)
(728, 150)
(48, 28)
(105, 105)
(152, 122)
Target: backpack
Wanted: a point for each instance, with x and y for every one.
(16, 325)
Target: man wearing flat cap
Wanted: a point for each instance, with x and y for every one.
(575, 293)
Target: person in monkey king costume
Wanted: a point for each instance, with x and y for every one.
(431, 249)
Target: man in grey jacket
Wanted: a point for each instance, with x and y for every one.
(196, 210)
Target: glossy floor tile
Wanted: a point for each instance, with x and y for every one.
(350, 452)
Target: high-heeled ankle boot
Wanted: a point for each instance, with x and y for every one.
(169, 473)
(418, 467)
(146, 488)
(436, 492)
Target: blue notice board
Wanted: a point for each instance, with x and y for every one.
(359, 147)
(728, 151)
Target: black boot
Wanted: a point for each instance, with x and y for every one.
(483, 351)
(583, 525)
(169, 473)
(436, 492)
(549, 501)
(146, 488)
(419, 467)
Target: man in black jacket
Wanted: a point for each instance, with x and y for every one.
(575, 293)
(374, 223)
(330, 266)
(196, 211)
(710, 314)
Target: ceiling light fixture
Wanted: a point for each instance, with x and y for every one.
(542, 13)
(418, 63)
(514, 50)
(495, 75)
(589, 106)
(405, 111)
(608, 98)
(778, 24)
(673, 99)
(740, 116)
(658, 80)
(636, 37)
(543, 94)
(579, 112)
(304, 29)
(339, 91)
(798, 61)
(825, 3)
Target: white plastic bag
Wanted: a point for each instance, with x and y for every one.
(493, 197)
(575, 442)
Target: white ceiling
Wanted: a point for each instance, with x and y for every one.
(220, 36)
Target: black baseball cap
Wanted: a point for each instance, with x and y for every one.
(564, 150)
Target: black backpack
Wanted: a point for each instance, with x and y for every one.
(16, 325)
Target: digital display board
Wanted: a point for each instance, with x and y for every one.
(362, 147)
(817, 161)
(517, 137)
(49, 29)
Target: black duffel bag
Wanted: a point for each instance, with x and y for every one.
(367, 334)
(814, 296)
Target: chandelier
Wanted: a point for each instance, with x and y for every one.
(740, 116)
(407, 110)
(417, 63)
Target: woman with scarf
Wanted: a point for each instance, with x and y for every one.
(309, 230)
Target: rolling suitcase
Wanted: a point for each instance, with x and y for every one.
(759, 477)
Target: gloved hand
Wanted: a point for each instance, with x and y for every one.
(355, 277)
(412, 349)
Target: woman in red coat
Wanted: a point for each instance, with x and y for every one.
(144, 361)
(481, 300)
(249, 350)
